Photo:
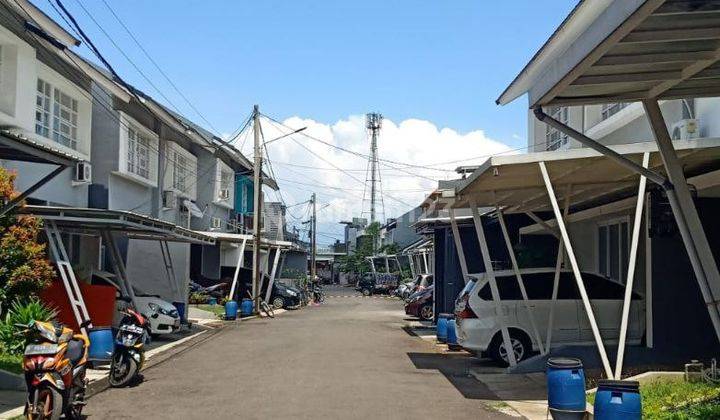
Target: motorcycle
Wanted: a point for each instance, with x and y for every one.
(54, 363)
(316, 291)
(129, 353)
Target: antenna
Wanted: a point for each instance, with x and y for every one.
(373, 122)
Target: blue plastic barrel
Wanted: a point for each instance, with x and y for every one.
(246, 307)
(101, 344)
(451, 332)
(618, 400)
(231, 310)
(180, 306)
(212, 301)
(441, 329)
(566, 387)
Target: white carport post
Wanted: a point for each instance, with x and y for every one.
(387, 265)
(576, 270)
(558, 266)
(490, 272)
(241, 258)
(425, 261)
(273, 270)
(631, 269)
(458, 244)
(519, 278)
(397, 261)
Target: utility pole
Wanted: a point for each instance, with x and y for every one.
(373, 123)
(313, 238)
(257, 208)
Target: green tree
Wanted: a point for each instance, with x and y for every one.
(357, 263)
(24, 267)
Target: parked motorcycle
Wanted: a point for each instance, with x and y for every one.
(55, 365)
(317, 293)
(129, 353)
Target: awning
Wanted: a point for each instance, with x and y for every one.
(133, 225)
(622, 51)
(241, 237)
(515, 183)
(18, 147)
(193, 208)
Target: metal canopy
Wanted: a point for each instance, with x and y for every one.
(17, 147)
(514, 183)
(133, 225)
(240, 238)
(622, 51)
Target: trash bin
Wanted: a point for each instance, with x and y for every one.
(441, 328)
(231, 310)
(246, 307)
(102, 344)
(451, 333)
(566, 388)
(618, 400)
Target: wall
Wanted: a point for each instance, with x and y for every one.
(146, 270)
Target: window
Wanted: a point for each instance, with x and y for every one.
(245, 197)
(180, 172)
(138, 153)
(553, 137)
(608, 110)
(226, 182)
(56, 115)
(613, 249)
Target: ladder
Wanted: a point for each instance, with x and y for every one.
(59, 254)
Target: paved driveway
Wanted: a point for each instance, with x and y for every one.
(346, 359)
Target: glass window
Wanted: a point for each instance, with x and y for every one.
(554, 139)
(181, 172)
(613, 249)
(42, 108)
(539, 285)
(138, 159)
(608, 110)
(568, 289)
(226, 178)
(56, 114)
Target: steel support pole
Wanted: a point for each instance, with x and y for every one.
(576, 271)
(273, 271)
(518, 277)
(241, 258)
(632, 259)
(558, 266)
(18, 199)
(425, 260)
(686, 216)
(490, 273)
(458, 244)
(387, 265)
(412, 265)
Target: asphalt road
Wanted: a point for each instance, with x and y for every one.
(349, 358)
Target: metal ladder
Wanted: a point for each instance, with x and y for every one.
(59, 254)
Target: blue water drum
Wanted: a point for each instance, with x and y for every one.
(212, 301)
(441, 329)
(231, 310)
(618, 400)
(246, 307)
(180, 306)
(101, 344)
(451, 332)
(566, 387)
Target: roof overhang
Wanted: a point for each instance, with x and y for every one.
(515, 183)
(16, 146)
(133, 225)
(242, 237)
(623, 51)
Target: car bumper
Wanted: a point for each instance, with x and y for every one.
(164, 324)
(473, 334)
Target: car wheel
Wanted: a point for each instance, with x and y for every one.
(278, 302)
(366, 292)
(520, 344)
(426, 312)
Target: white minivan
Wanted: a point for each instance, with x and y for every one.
(478, 325)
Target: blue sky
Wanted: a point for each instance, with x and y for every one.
(444, 62)
(433, 68)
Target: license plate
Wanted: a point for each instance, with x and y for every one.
(36, 349)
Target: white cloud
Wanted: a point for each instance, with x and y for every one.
(412, 141)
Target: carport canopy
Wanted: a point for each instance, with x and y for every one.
(514, 182)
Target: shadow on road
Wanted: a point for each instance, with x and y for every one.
(455, 367)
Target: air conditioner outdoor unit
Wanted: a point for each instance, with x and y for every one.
(686, 129)
(224, 194)
(216, 223)
(83, 171)
(169, 199)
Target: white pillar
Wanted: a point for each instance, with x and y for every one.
(631, 269)
(519, 278)
(241, 258)
(272, 273)
(387, 265)
(576, 271)
(458, 244)
(558, 266)
(490, 273)
(412, 265)
(425, 260)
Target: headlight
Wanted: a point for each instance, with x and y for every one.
(291, 293)
(153, 307)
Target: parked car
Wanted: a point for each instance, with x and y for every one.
(405, 289)
(420, 304)
(479, 327)
(284, 296)
(163, 315)
(422, 282)
(371, 283)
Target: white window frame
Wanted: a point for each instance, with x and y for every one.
(608, 110)
(622, 261)
(554, 138)
(224, 168)
(128, 124)
(174, 155)
(53, 110)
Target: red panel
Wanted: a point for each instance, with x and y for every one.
(100, 302)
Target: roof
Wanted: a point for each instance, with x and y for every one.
(16, 146)
(622, 51)
(135, 226)
(241, 237)
(515, 183)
